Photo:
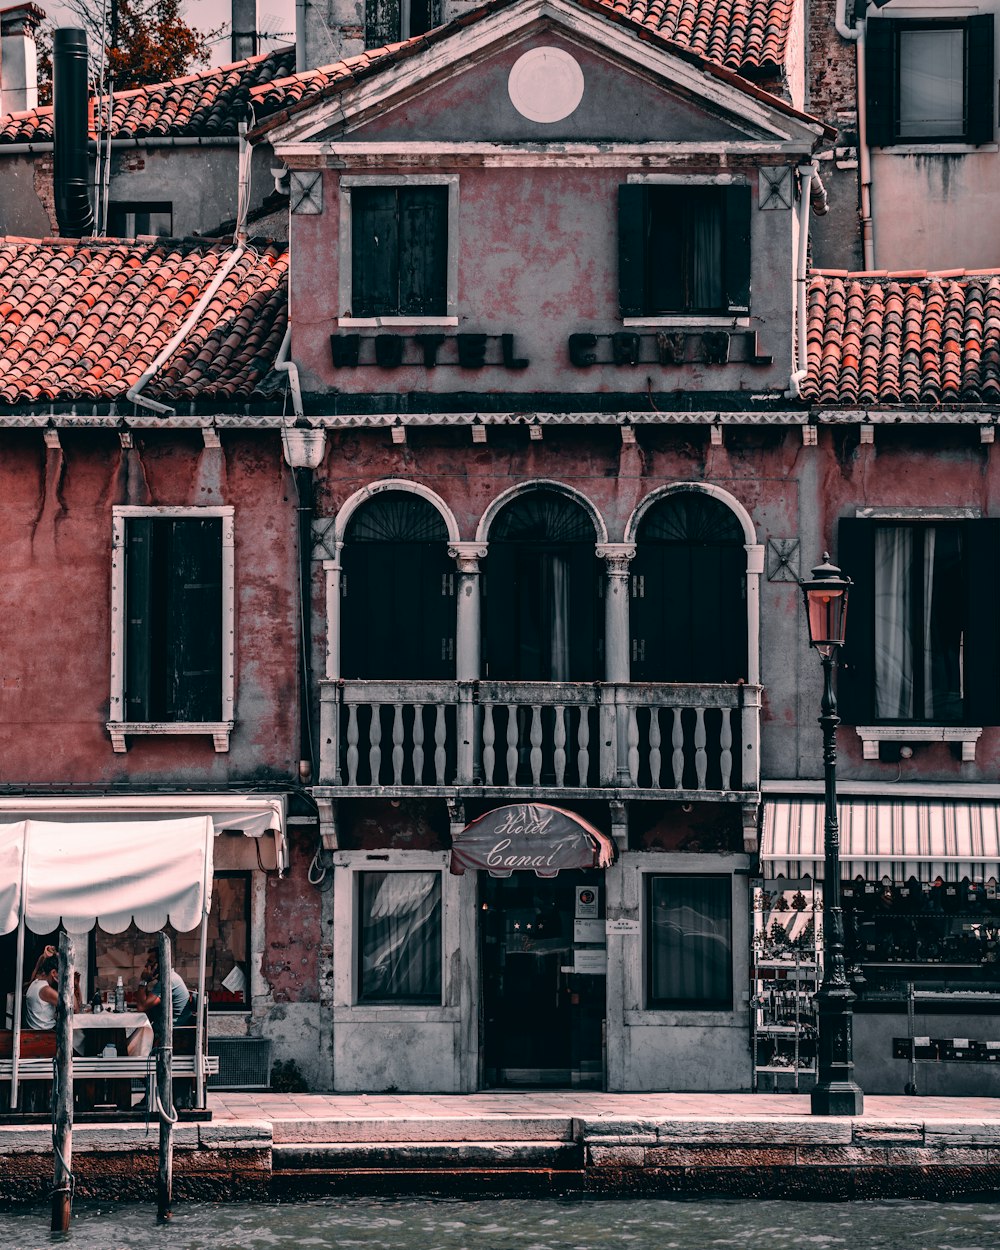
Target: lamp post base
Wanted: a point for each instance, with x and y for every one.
(837, 1098)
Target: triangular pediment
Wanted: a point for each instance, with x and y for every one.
(545, 72)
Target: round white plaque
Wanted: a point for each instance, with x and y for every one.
(545, 85)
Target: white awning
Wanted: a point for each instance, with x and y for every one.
(110, 873)
(252, 815)
(884, 837)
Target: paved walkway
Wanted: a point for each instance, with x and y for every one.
(582, 1105)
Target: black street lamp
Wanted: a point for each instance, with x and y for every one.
(836, 1092)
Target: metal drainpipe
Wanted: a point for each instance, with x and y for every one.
(856, 35)
(801, 354)
(304, 490)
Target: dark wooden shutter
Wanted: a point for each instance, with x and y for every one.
(500, 613)
(736, 245)
(980, 83)
(138, 617)
(381, 22)
(423, 251)
(632, 250)
(374, 252)
(856, 674)
(194, 621)
(880, 78)
(981, 542)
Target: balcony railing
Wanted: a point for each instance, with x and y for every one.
(436, 736)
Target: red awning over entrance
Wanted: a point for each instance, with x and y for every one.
(530, 837)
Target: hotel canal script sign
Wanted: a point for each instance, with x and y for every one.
(530, 837)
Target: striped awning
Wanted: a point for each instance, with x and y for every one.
(897, 838)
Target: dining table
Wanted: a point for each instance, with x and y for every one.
(130, 1032)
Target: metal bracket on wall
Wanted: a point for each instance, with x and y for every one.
(783, 559)
(305, 190)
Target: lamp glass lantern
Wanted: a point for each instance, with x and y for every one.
(825, 593)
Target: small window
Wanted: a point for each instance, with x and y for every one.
(683, 250)
(399, 941)
(930, 82)
(399, 251)
(689, 943)
(129, 220)
(387, 21)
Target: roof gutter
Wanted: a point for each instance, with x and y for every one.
(179, 141)
(856, 35)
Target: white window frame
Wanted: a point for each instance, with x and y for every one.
(118, 727)
(345, 279)
(348, 1005)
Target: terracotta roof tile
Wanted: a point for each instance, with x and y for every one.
(84, 319)
(196, 106)
(746, 36)
(903, 338)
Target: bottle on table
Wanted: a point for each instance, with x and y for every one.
(119, 996)
(97, 1003)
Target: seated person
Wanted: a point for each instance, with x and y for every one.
(42, 994)
(149, 993)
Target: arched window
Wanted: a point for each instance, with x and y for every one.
(398, 591)
(688, 607)
(542, 618)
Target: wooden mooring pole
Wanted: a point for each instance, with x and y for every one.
(165, 1084)
(62, 1093)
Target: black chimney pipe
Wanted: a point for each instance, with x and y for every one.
(74, 214)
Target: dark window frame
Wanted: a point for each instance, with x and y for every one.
(638, 203)
(165, 638)
(388, 21)
(884, 81)
(139, 208)
(413, 286)
(367, 999)
(724, 1002)
(981, 597)
(247, 876)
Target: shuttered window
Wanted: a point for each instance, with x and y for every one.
(683, 249)
(173, 608)
(399, 251)
(930, 82)
(921, 645)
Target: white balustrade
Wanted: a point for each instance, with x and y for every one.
(544, 731)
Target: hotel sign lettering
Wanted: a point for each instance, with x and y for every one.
(427, 350)
(530, 837)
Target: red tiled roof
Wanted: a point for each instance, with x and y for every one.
(911, 338)
(739, 34)
(729, 38)
(84, 319)
(199, 105)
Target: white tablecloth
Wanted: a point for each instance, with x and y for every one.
(135, 1023)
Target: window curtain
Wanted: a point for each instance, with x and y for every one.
(691, 941)
(931, 83)
(401, 936)
(893, 623)
(555, 578)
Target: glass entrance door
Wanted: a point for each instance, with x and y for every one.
(544, 978)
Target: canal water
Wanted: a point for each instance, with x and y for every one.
(510, 1224)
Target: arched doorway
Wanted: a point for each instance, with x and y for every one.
(543, 618)
(688, 592)
(398, 591)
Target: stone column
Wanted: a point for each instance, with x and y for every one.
(468, 651)
(467, 612)
(329, 708)
(618, 558)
